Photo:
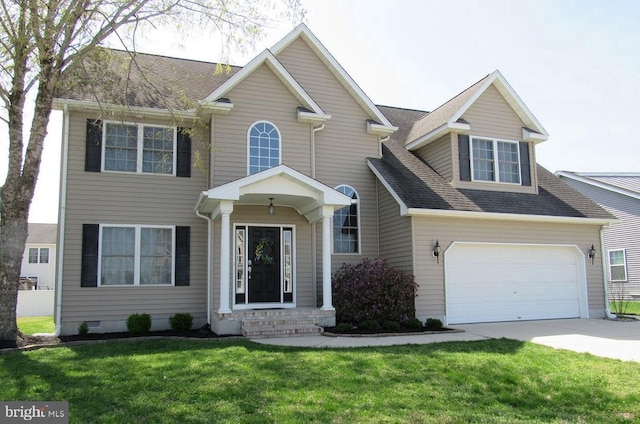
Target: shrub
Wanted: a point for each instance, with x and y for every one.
(433, 324)
(391, 325)
(413, 323)
(344, 327)
(373, 290)
(181, 322)
(83, 328)
(139, 323)
(370, 325)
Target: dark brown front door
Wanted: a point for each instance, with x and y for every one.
(264, 254)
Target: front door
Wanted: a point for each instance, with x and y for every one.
(263, 256)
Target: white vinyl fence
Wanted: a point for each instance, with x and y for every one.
(35, 303)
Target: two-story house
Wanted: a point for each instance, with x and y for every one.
(234, 195)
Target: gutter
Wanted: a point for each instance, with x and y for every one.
(209, 242)
(607, 309)
(62, 210)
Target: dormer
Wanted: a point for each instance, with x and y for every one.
(484, 138)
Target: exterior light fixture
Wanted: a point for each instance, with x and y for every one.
(436, 251)
(592, 254)
(271, 208)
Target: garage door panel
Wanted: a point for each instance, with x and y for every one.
(488, 283)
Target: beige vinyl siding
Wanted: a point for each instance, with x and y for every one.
(259, 97)
(491, 116)
(342, 147)
(395, 233)
(430, 275)
(283, 217)
(438, 154)
(119, 198)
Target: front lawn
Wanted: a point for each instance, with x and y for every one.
(631, 307)
(33, 325)
(234, 380)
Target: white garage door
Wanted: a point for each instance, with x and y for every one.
(505, 282)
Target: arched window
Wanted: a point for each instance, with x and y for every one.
(264, 146)
(346, 230)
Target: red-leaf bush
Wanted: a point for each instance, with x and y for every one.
(373, 290)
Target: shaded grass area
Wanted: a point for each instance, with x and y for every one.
(33, 325)
(631, 307)
(169, 381)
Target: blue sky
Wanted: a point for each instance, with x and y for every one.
(574, 63)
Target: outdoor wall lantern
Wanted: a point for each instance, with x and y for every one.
(592, 254)
(271, 208)
(436, 251)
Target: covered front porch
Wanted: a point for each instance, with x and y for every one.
(265, 252)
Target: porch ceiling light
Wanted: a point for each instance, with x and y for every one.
(271, 208)
(592, 254)
(436, 251)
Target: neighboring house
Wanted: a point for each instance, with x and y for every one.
(618, 193)
(38, 270)
(233, 196)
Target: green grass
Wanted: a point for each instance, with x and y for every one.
(631, 307)
(32, 325)
(237, 381)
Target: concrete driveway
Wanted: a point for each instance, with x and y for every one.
(600, 337)
(609, 339)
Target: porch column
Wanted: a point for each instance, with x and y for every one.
(327, 215)
(226, 207)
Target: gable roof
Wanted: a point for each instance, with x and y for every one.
(267, 58)
(140, 80)
(304, 33)
(42, 233)
(420, 190)
(448, 116)
(624, 183)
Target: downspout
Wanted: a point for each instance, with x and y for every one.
(209, 242)
(382, 140)
(314, 250)
(607, 310)
(62, 211)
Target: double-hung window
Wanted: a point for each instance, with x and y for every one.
(264, 147)
(617, 265)
(146, 149)
(346, 229)
(495, 160)
(136, 255)
(38, 255)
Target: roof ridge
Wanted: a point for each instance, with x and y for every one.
(136, 52)
(404, 108)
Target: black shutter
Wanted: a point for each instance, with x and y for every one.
(525, 164)
(464, 157)
(89, 270)
(93, 152)
(183, 243)
(184, 153)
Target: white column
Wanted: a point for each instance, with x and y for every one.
(327, 302)
(226, 207)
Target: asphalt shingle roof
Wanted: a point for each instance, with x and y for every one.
(420, 186)
(142, 80)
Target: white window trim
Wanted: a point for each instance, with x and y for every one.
(357, 201)
(246, 304)
(136, 261)
(496, 162)
(140, 147)
(624, 263)
(39, 255)
(249, 143)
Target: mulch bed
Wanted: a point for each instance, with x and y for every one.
(356, 332)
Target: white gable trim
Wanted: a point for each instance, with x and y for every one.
(584, 178)
(336, 69)
(456, 127)
(267, 58)
(403, 207)
(510, 97)
(279, 180)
